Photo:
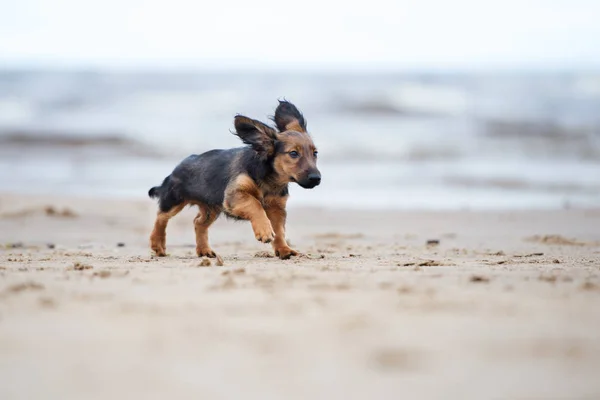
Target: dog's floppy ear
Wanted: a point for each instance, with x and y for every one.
(287, 117)
(258, 135)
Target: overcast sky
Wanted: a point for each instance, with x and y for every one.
(434, 34)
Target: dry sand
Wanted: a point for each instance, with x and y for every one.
(506, 306)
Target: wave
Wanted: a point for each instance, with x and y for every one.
(541, 129)
(522, 185)
(119, 144)
(399, 155)
(408, 99)
(543, 138)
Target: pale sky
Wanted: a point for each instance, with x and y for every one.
(435, 34)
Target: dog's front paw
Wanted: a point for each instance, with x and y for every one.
(205, 252)
(264, 232)
(285, 252)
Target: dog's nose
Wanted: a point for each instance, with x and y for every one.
(314, 178)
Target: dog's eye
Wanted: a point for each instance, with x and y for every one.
(315, 153)
(294, 154)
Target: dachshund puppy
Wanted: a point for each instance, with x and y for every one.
(248, 183)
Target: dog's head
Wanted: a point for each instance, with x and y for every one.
(290, 147)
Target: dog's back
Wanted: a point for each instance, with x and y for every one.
(200, 178)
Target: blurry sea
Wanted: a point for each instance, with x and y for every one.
(402, 141)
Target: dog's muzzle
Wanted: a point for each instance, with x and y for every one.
(310, 181)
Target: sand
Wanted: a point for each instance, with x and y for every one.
(502, 305)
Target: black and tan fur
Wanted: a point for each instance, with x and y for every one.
(249, 183)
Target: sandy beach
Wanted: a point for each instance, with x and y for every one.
(499, 305)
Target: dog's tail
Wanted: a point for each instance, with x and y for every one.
(157, 191)
(168, 194)
(154, 192)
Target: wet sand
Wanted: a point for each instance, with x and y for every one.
(505, 306)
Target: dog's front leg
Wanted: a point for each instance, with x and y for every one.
(275, 209)
(242, 201)
(246, 206)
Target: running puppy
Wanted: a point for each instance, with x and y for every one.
(249, 183)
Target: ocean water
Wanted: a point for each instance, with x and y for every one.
(403, 141)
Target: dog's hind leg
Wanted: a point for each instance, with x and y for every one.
(202, 222)
(158, 238)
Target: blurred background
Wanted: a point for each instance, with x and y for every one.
(424, 104)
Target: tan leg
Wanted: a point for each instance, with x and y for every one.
(202, 222)
(241, 200)
(158, 238)
(275, 209)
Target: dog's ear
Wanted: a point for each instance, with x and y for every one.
(287, 117)
(258, 135)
